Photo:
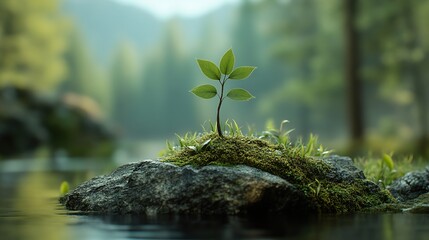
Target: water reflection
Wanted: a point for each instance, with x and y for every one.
(29, 210)
(361, 226)
(29, 191)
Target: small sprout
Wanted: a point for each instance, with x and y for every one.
(224, 72)
(386, 173)
(387, 159)
(200, 147)
(205, 144)
(64, 188)
(315, 187)
(323, 152)
(279, 136)
(193, 148)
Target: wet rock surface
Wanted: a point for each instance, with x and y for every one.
(344, 169)
(411, 192)
(153, 187)
(411, 185)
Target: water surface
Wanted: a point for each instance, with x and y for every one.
(29, 209)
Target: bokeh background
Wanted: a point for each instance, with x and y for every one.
(111, 78)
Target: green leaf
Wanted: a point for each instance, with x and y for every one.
(209, 69)
(387, 159)
(241, 72)
(239, 94)
(64, 188)
(227, 62)
(206, 91)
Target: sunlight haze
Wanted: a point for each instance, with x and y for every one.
(169, 8)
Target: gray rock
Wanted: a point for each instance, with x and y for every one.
(30, 120)
(411, 185)
(417, 205)
(153, 187)
(420, 208)
(343, 169)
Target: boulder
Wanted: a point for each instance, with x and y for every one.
(411, 185)
(30, 120)
(343, 169)
(153, 187)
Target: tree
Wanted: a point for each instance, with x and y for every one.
(246, 42)
(352, 66)
(395, 51)
(166, 80)
(83, 76)
(308, 48)
(245, 39)
(31, 44)
(126, 90)
(80, 68)
(414, 68)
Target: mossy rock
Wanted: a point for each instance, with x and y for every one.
(319, 179)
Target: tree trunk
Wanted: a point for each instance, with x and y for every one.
(414, 70)
(354, 88)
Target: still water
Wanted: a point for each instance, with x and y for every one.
(29, 209)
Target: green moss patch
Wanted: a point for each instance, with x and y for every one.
(308, 173)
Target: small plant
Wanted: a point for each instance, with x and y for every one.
(64, 188)
(383, 169)
(279, 136)
(387, 172)
(315, 187)
(313, 148)
(223, 73)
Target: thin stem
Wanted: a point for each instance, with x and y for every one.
(222, 84)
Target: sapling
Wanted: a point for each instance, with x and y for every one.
(222, 74)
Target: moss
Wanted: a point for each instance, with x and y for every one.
(416, 205)
(309, 174)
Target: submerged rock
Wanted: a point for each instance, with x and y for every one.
(411, 185)
(154, 187)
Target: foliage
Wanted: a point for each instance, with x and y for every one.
(125, 97)
(312, 76)
(83, 75)
(280, 138)
(64, 188)
(300, 59)
(164, 85)
(395, 65)
(32, 40)
(223, 73)
(384, 169)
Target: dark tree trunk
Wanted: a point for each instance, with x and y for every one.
(354, 88)
(414, 71)
(422, 113)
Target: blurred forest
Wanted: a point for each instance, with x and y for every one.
(352, 72)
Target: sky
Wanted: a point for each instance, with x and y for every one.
(187, 8)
